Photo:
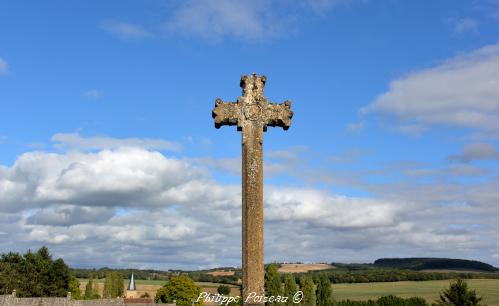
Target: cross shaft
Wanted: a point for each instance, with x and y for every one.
(252, 113)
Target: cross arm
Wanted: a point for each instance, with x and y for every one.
(279, 114)
(225, 113)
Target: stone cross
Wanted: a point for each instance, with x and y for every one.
(252, 113)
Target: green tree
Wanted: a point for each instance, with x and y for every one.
(89, 290)
(34, 274)
(119, 286)
(57, 279)
(272, 282)
(289, 289)
(182, 289)
(74, 288)
(458, 294)
(223, 289)
(308, 289)
(324, 293)
(9, 277)
(113, 285)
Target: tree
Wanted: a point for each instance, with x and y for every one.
(272, 282)
(308, 289)
(119, 286)
(58, 279)
(9, 277)
(113, 285)
(458, 294)
(74, 288)
(223, 289)
(89, 290)
(324, 293)
(182, 289)
(34, 274)
(289, 289)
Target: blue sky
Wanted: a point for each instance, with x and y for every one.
(107, 141)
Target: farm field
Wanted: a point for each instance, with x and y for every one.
(298, 268)
(488, 288)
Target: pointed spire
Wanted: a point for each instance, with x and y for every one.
(131, 284)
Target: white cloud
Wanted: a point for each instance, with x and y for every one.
(120, 178)
(462, 92)
(125, 30)
(4, 66)
(322, 209)
(75, 141)
(92, 94)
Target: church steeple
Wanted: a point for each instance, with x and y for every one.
(131, 284)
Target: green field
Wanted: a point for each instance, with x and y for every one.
(488, 288)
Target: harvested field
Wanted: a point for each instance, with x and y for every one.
(221, 273)
(298, 268)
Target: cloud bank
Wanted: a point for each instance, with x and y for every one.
(129, 206)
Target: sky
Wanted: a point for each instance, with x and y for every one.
(109, 155)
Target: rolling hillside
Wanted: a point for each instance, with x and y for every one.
(435, 264)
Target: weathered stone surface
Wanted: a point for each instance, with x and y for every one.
(9, 300)
(252, 113)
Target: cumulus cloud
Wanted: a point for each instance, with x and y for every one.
(461, 92)
(75, 141)
(125, 30)
(124, 177)
(4, 66)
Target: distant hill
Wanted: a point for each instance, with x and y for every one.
(435, 264)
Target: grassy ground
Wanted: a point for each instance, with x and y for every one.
(488, 288)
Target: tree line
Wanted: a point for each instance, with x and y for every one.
(37, 274)
(393, 275)
(139, 274)
(34, 274)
